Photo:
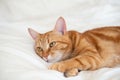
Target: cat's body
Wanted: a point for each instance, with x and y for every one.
(76, 51)
(102, 45)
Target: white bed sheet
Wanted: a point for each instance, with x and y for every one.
(18, 60)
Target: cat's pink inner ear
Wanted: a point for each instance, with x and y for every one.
(33, 33)
(60, 25)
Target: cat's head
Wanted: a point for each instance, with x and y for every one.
(54, 45)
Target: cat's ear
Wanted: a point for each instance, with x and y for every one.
(33, 33)
(60, 25)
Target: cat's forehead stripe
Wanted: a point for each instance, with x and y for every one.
(44, 41)
(39, 42)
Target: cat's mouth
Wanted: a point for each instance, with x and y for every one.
(51, 59)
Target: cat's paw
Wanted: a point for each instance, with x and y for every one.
(60, 66)
(71, 72)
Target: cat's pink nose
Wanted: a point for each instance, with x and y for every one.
(45, 57)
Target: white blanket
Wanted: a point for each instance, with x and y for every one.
(18, 60)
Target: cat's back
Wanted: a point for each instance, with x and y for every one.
(106, 39)
(97, 35)
(109, 33)
(105, 30)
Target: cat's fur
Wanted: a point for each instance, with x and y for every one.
(73, 51)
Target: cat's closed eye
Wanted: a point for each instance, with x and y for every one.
(52, 44)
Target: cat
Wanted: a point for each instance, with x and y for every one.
(72, 51)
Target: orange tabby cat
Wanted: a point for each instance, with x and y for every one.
(73, 51)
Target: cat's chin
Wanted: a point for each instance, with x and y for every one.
(52, 61)
(56, 58)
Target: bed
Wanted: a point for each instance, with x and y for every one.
(18, 61)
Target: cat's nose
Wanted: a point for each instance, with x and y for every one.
(45, 54)
(45, 57)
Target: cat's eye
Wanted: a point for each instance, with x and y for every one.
(52, 44)
(39, 49)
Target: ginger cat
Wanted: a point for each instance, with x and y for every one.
(73, 52)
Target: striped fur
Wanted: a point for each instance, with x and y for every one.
(76, 51)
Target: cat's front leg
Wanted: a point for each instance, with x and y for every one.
(69, 68)
(59, 66)
(65, 66)
(72, 66)
(71, 72)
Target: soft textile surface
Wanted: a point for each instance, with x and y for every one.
(18, 60)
